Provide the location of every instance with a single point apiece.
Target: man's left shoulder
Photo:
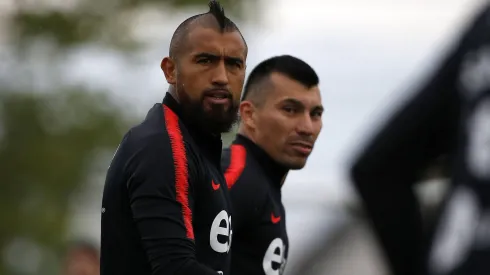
(234, 164)
(234, 156)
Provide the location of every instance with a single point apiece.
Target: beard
(217, 120)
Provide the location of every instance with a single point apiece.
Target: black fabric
(449, 115)
(260, 240)
(143, 225)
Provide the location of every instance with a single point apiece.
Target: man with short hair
(281, 118)
(166, 207)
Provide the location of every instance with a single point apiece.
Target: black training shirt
(166, 205)
(260, 241)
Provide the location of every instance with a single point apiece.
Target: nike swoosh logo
(275, 219)
(215, 186)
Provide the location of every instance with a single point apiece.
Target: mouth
(302, 147)
(218, 96)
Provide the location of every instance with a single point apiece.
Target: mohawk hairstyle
(216, 11)
(287, 65)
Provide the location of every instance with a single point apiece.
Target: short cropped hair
(287, 65)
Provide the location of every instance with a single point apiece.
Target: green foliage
(49, 142)
(108, 21)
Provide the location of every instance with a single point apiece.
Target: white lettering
(478, 157)
(482, 239)
(456, 231)
(218, 230)
(475, 76)
(275, 254)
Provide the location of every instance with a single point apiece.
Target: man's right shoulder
(160, 123)
(141, 136)
(157, 136)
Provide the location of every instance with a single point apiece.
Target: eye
(234, 63)
(204, 61)
(317, 114)
(289, 109)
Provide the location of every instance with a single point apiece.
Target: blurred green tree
(49, 141)
(110, 21)
(47, 145)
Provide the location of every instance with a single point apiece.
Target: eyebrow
(293, 101)
(319, 108)
(216, 57)
(299, 103)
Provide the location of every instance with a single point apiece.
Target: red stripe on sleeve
(181, 172)
(238, 156)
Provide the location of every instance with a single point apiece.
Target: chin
(220, 126)
(296, 164)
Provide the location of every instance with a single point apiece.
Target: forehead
(284, 88)
(209, 40)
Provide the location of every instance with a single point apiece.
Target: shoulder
(145, 137)
(235, 163)
(247, 188)
(244, 177)
(161, 123)
(158, 141)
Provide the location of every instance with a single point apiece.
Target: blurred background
(76, 74)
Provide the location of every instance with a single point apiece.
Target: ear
(248, 114)
(169, 69)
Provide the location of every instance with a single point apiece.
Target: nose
(305, 126)
(220, 76)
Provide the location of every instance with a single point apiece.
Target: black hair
(287, 65)
(218, 13)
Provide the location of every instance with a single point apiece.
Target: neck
(284, 178)
(242, 130)
(277, 171)
(173, 92)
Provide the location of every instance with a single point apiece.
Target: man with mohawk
(166, 208)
